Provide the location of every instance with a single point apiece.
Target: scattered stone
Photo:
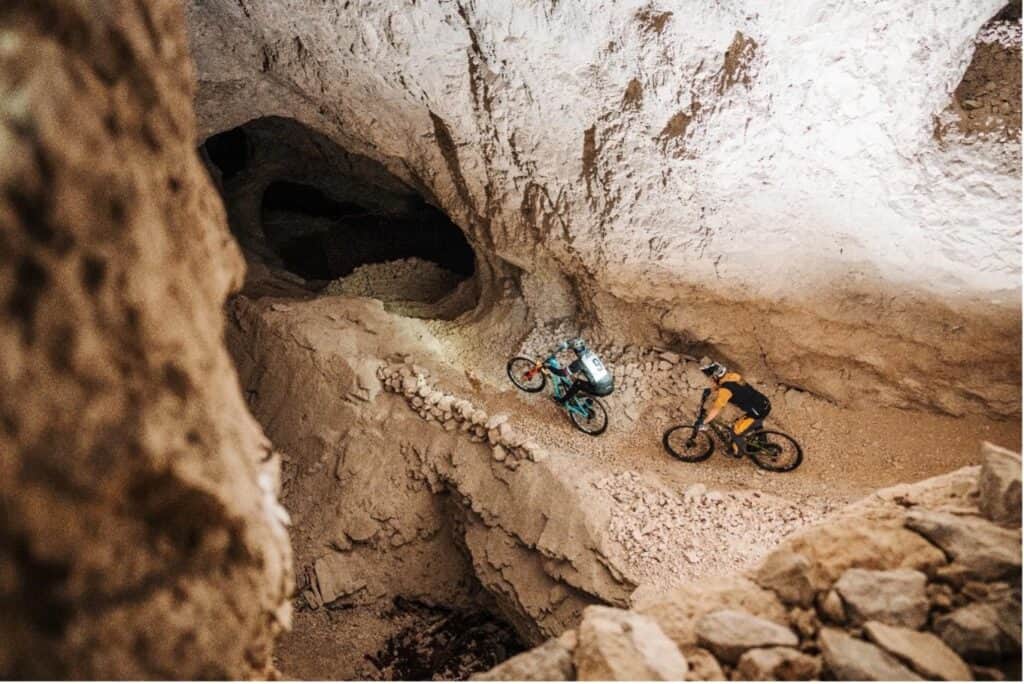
(335, 579)
(976, 631)
(895, 597)
(940, 595)
(617, 644)
(703, 666)
(830, 607)
(851, 658)
(728, 633)
(671, 357)
(694, 492)
(780, 663)
(923, 651)
(806, 622)
(496, 420)
(788, 575)
(498, 453)
(999, 485)
(987, 550)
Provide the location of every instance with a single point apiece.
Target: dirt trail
(847, 453)
(668, 522)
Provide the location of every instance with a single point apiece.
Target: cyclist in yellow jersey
(731, 388)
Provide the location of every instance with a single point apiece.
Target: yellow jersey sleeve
(722, 398)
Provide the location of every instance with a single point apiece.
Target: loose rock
(728, 633)
(772, 664)
(924, 652)
(618, 644)
(895, 597)
(850, 658)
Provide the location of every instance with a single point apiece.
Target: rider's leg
(577, 385)
(739, 430)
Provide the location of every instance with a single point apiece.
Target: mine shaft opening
(299, 202)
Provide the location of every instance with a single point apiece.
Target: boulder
(847, 657)
(678, 610)
(985, 549)
(774, 664)
(831, 548)
(999, 485)
(622, 645)
(830, 607)
(551, 662)
(728, 633)
(982, 632)
(788, 575)
(895, 597)
(923, 651)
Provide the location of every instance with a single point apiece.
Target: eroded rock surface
(140, 535)
(693, 170)
(814, 607)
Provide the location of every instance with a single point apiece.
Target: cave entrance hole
(342, 222)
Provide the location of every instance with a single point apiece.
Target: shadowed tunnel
(295, 197)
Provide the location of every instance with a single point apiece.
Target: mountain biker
(589, 374)
(731, 388)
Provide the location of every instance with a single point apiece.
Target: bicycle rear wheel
(596, 419)
(687, 443)
(517, 370)
(774, 451)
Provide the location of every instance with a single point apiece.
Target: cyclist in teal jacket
(589, 373)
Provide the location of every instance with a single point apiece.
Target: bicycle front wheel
(592, 417)
(518, 370)
(687, 443)
(774, 451)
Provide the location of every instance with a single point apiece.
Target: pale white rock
(923, 651)
(691, 155)
(616, 644)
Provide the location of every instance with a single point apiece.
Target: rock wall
(399, 489)
(774, 184)
(915, 582)
(140, 536)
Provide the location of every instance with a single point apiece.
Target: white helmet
(713, 370)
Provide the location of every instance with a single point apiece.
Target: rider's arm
(722, 397)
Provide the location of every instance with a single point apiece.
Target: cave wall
(140, 535)
(764, 180)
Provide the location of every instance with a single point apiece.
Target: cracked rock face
(140, 535)
(783, 184)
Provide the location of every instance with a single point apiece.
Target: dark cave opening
(229, 151)
(298, 201)
(321, 238)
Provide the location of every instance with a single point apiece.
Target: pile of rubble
(670, 537)
(453, 413)
(916, 582)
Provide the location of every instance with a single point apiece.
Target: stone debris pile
(916, 582)
(452, 413)
(670, 537)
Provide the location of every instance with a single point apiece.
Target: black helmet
(578, 344)
(713, 370)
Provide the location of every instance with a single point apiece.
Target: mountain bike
(586, 412)
(768, 449)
